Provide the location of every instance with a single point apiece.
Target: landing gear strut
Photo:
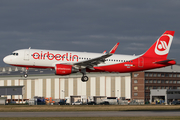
(26, 75)
(84, 77)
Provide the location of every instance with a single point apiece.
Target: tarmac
(91, 114)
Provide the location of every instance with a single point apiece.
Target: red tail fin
(160, 48)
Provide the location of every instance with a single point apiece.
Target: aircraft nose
(6, 59)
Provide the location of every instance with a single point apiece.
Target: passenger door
(26, 55)
(140, 62)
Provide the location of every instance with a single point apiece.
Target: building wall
(138, 85)
(142, 82)
(161, 80)
(59, 88)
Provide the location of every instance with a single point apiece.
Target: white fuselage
(49, 58)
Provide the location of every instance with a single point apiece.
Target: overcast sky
(87, 25)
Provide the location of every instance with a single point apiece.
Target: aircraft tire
(25, 75)
(84, 78)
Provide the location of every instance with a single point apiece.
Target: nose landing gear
(26, 75)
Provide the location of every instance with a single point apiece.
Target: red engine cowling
(61, 69)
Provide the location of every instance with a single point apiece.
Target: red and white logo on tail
(163, 44)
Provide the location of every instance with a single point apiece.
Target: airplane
(68, 62)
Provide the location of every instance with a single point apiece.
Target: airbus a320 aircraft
(67, 62)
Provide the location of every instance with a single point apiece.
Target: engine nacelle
(61, 69)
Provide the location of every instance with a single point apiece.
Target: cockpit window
(15, 54)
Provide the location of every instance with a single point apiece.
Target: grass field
(56, 108)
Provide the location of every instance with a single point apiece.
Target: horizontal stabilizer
(165, 61)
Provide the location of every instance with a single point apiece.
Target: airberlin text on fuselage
(58, 57)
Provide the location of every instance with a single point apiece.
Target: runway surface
(91, 114)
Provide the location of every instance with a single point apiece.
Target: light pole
(118, 94)
(63, 93)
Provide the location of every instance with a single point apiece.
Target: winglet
(104, 52)
(112, 51)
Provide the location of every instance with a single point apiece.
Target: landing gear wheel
(25, 75)
(84, 78)
(26, 71)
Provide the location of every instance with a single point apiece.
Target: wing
(95, 61)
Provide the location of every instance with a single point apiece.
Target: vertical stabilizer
(161, 47)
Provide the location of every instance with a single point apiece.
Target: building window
(162, 81)
(170, 75)
(176, 92)
(174, 87)
(146, 87)
(150, 81)
(158, 81)
(178, 87)
(135, 94)
(135, 88)
(150, 74)
(162, 87)
(166, 81)
(146, 94)
(170, 87)
(170, 81)
(178, 82)
(178, 75)
(174, 75)
(166, 87)
(146, 74)
(166, 75)
(169, 92)
(150, 87)
(162, 74)
(158, 87)
(146, 81)
(154, 81)
(154, 75)
(159, 75)
(135, 81)
(154, 87)
(174, 82)
(135, 74)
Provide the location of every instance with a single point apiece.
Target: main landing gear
(84, 77)
(25, 74)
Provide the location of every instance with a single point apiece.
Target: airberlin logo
(162, 45)
(58, 57)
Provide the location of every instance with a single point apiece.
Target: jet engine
(61, 69)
